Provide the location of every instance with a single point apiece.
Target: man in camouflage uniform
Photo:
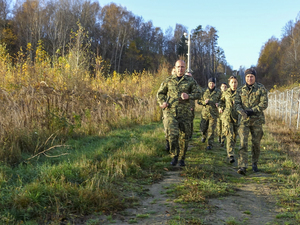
(221, 136)
(174, 97)
(192, 102)
(229, 116)
(251, 100)
(209, 115)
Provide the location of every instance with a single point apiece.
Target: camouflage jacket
(171, 89)
(227, 104)
(210, 108)
(256, 99)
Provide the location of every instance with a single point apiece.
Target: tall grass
(60, 97)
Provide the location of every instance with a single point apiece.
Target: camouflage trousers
(178, 132)
(192, 121)
(231, 132)
(220, 129)
(207, 127)
(256, 136)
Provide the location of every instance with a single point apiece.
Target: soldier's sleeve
(238, 102)
(201, 100)
(162, 93)
(222, 101)
(196, 92)
(263, 104)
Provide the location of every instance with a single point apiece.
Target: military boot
(231, 159)
(181, 162)
(242, 171)
(254, 167)
(174, 161)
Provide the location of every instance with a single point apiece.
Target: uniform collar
(253, 86)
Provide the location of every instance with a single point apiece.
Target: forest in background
(279, 60)
(124, 41)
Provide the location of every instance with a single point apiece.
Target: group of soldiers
(236, 112)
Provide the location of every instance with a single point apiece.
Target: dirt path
(252, 204)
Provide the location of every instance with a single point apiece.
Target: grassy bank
(88, 176)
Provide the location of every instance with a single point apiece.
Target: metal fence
(285, 106)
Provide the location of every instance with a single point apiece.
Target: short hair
(232, 77)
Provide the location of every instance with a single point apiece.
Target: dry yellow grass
(46, 97)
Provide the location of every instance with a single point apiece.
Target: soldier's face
(223, 87)
(211, 85)
(233, 83)
(180, 68)
(250, 79)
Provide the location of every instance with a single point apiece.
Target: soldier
(251, 100)
(192, 118)
(164, 121)
(221, 136)
(174, 97)
(229, 116)
(209, 115)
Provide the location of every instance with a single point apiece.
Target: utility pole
(189, 70)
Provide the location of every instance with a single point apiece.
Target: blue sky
(243, 26)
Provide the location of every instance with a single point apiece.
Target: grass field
(96, 176)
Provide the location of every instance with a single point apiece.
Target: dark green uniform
(209, 114)
(229, 119)
(253, 98)
(177, 116)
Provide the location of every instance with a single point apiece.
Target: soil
(252, 204)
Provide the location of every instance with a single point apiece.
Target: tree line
(123, 40)
(279, 60)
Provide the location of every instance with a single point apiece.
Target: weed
(231, 221)
(142, 216)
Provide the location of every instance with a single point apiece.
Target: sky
(243, 26)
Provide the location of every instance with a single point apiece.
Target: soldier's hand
(244, 115)
(164, 105)
(206, 101)
(217, 105)
(249, 112)
(184, 96)
(220, 110)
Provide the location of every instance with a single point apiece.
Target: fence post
(275, 105)
(298, 114)
(286, 105)
(292, 95)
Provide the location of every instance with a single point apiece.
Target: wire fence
(285, 106)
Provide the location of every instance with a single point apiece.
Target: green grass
(90, 178)
(107, 175)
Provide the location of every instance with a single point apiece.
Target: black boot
(208, 147)
(174, 161)
(181, 162)
(231, 159)
(254, 167)
(242, 171)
